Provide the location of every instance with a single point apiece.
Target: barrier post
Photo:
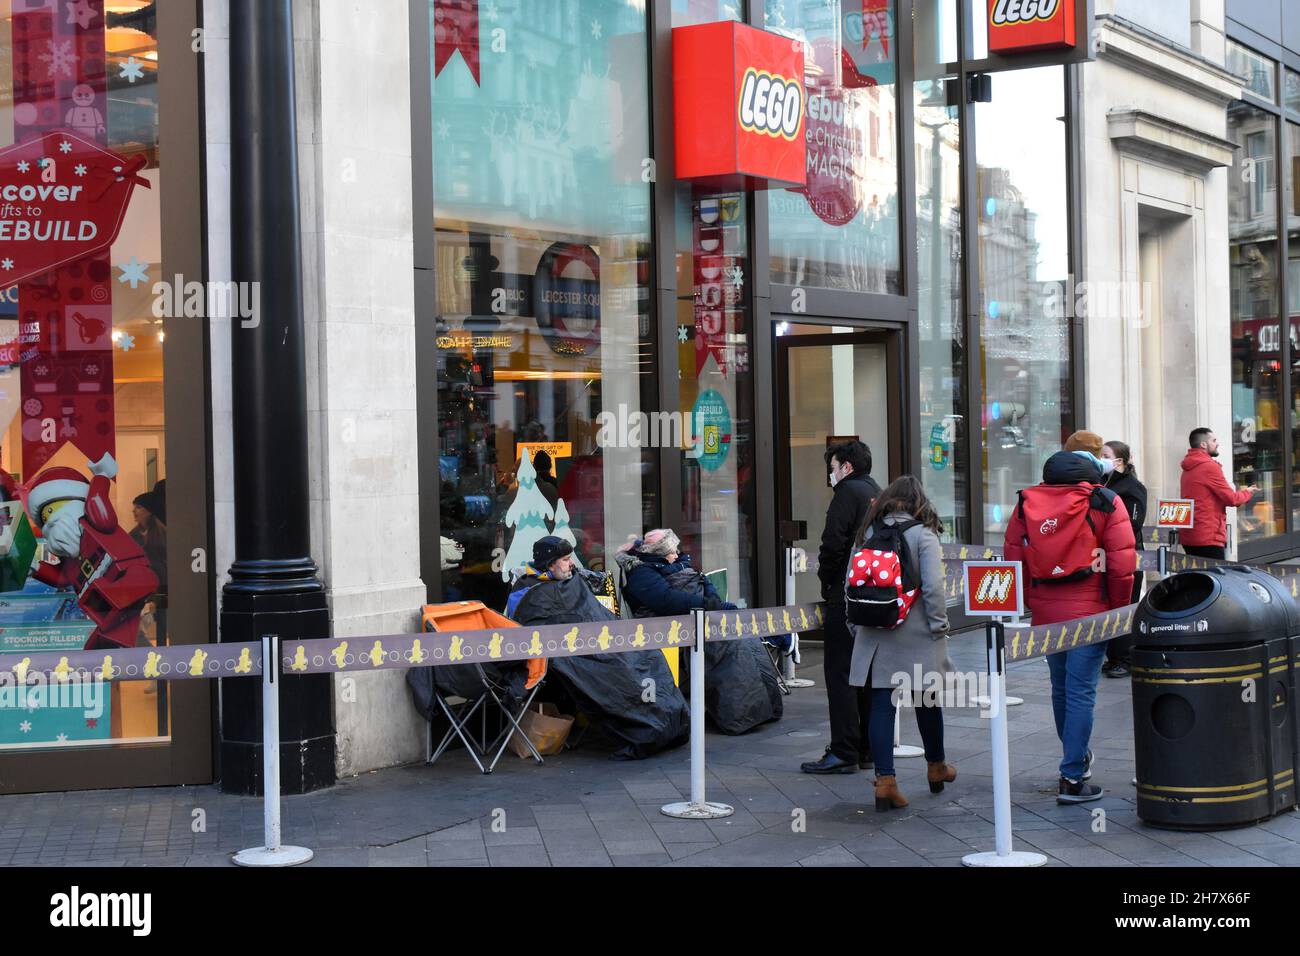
(1003, 855)
(788, 659)
(698, 808)
(271, 853)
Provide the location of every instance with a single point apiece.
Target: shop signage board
(739, 102)
(1175, 514)
(994, 588)
(1018, 26)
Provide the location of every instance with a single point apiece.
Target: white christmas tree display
(527, 514)
(562, 529)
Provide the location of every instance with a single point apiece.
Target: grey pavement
(583, 809)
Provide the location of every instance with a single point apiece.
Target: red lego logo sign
(1016, 26)
(739, 102)
(1175, 513)
(62, 198)
(994, 588)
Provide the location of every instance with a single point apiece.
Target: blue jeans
(929, 720)
(1074, 692)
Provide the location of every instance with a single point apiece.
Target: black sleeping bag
(741, 691)
(609, 687)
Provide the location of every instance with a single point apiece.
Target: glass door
(835, 384)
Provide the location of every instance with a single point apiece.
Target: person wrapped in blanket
(741, 686)
(609, 688)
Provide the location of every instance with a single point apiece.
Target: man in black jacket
(850, 472)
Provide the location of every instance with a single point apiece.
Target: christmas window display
(82, 455)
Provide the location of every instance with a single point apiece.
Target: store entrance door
(834, 384)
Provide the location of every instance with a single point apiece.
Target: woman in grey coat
(885, 659)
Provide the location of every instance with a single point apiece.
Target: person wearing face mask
(1076, 545)
(1124, 482)
(1204, 483)
(849, 468)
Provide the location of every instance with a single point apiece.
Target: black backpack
(882, 580)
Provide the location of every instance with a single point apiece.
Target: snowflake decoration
(133, 272)
(79, 169)
(81, 13)
(490, 11)
(62, 738)
(65, 147)
(595, 29)
(737, 276)
(24, 166)
(126, 341)
(682, 333)
(59, 59)
(444, 129)
(6, 264)
(132, 70)
(25, 726)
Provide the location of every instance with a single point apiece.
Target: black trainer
(829, 763)
(1076, 791)
(1115, 669)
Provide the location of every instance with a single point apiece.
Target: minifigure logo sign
(62, 198)
(1175, 514)
(994, 588)
(1017, 26)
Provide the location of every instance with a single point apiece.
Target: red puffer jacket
(1057, 601)
(1204, 483)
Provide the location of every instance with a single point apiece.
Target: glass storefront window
(841, 230)
(81, 377)
(1291, 90)
(1023, 269)
(544, 334)
(1256, 331)
(1293, 308)
(1255, 72)
(940, 330)
(687, 12)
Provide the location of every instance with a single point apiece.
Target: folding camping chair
(460, 698)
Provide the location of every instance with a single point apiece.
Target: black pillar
(273, 586)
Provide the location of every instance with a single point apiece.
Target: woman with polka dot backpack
(895, 602)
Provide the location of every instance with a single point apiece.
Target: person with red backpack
(895, 604)
(1075, 543)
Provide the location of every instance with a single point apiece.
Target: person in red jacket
(1076, 546)
(1203, 482)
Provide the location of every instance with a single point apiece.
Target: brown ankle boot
(887, 795)
(938, 774)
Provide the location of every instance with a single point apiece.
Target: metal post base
(984, 703)
(799, 682)
(908, 750)
(696, 811)
(1014, 858)
(283, 856)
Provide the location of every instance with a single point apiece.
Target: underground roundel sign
(994, 588)
(61, 198)
(1017, 26)
(1175, 513)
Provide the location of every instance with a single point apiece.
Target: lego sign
(994, 588)
(1016, 26)
(739, 104)
(1175, 514)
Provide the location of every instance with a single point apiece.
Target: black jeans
(1206, 550)
(1119, 649)
(850, 707)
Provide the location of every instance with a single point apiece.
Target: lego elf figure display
(96, 558)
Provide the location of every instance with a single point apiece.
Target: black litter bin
(1214, 699)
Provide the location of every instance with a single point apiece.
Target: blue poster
(711, 428)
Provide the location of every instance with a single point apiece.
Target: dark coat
(547, 601)
(1134, 495)
(844, 519)
(655, 588)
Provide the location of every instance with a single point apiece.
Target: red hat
(54, 484)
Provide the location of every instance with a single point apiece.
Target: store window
(1023, 271)
(81, 368)
(545, 344)
(1256, 72)
(841, 229)
(1256, 330)
(716, 387)
(940, 325)
(1293, 310)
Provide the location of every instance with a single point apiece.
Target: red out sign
(739, 102)
(1020, 25)
(994, 588)
(1175, 513)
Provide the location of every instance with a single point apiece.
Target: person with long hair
(1124, 482)
(886, 660)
